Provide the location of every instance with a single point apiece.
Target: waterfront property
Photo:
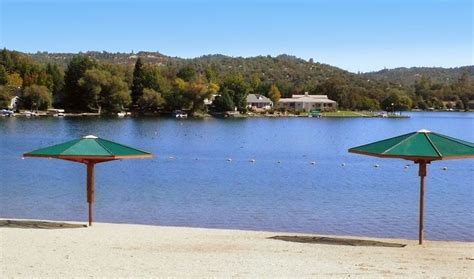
(258, 102)
(308, 103)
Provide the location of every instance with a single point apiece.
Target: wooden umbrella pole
(90, 188)
(422, 174)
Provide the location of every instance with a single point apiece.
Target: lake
(191, 182)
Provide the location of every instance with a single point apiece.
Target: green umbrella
(89, 150)
(421, 147)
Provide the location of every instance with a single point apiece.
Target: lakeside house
(258, 102)
(308, 103)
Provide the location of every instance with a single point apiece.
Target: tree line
(86, 84)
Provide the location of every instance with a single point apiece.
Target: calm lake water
(198, 187)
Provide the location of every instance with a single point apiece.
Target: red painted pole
(90, 188)
(422, 174)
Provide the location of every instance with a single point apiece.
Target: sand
(34, 249)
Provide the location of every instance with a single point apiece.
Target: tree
(3, 75)
(36, 97)
(223, 102)
(152, 78)
(211, 74)
(195, 93)
(397, 100)
(14, 81)
(150, 100)
(57, 78)
(103, 91)
(137, 82)
(255, 83)
(5, 97)
(274, 94)
(74, 97)
(237, 89)
(366, 103)
(186, 73)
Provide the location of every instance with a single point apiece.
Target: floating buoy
(252, 160)
(313, 163)
(406, 166)
(376, 166)
(229, 159)
(445, 168)
(343, 164)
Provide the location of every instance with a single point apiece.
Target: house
(258, 102)
(308, 103)
(15, 100)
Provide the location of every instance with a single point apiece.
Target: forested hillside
(150, 81)
(409, 76)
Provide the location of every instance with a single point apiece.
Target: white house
(308, 103)
(258, 102)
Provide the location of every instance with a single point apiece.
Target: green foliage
(36, 97)
(186, 73)
(3, 75)
(5, 97)
(397, 100)
(223, 102)
(137, 84)
(74, 96)
(236, 87)
(366, 103)
(57, 79)
(185, 83)
(150, 100)
(274, 94)
(104, 91)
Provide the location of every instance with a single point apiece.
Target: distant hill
(407, 76)
(286, 70)
(283, 67)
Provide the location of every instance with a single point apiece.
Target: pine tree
(137, 83)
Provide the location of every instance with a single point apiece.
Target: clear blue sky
(360, 35)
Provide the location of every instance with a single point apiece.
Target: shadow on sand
(335, 241)
(31, 224)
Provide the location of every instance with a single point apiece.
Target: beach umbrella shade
(89, 150)
(421, 147)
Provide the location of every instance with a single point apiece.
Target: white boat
(121, 114)
(56, 112)
(180, 114)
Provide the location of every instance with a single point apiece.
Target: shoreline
(45, 248)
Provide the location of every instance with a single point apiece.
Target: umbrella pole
(422, 174)
(90, 188)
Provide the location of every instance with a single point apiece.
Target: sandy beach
(34, 249)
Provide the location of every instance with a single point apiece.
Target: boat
(56, 112)
(121, 114)
(180, 114)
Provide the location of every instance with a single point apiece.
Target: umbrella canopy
(89, 150)
(422, 147)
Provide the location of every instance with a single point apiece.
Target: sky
(359, 35)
